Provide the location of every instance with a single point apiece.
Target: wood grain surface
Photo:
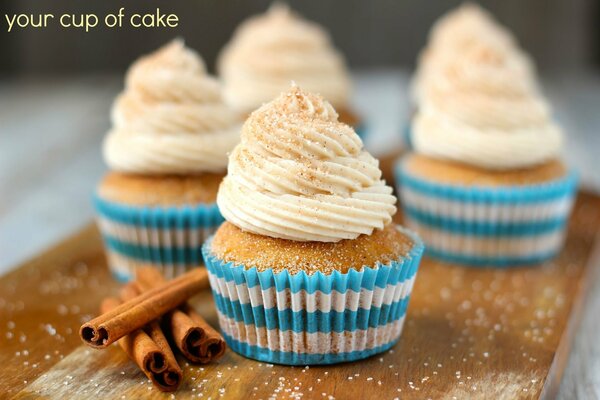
(469, 332)
(48, 197)
(481, 333)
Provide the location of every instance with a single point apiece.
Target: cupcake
(485, 186)
(308, 267)
(449, 37)
(268, 51)
(167, 154)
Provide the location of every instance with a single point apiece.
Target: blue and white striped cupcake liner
(361, 130)
(169, 238)
(488, 226)
(312, 319)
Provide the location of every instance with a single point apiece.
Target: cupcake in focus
(449, 37)
(486, 186)
(308, 267)
(268, 51)
(167, 154)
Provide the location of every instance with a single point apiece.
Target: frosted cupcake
(457, 31)
(268, 51)
(167, 154)
(450, 36)
(308, 268)
(486, 186)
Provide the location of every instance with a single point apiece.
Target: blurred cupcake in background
(449, 37)
(309, 267)
(457, 31)
(167, 154)
(269, 51)
(485, 185)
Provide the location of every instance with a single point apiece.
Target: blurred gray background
(560, 34)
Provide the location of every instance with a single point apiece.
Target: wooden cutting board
(469, 333)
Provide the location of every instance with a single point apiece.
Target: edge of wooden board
(561, 355)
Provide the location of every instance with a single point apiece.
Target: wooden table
(469, 332)
(51, 132)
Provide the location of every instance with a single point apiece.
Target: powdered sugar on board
(481, 333)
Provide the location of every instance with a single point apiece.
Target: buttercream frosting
(268, 51)
(482, 109)
(171, 118)
(300, 174)
(455, 32)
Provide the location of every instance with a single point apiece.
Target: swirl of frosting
(299, 174)
(269, 51)
(170, 119)
(482, 109)
(454, 33)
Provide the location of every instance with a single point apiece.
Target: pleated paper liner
(169, 238)
(498, 227)
(312, 319)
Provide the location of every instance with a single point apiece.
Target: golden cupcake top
(457, 173)
(231, 244)
(300, 174)
(268, 51)
(170, 119)
(169, 190)
(483, 107)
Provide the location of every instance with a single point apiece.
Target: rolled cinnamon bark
(194, 337)
(148, 352)
(173, 374)
(139, 311)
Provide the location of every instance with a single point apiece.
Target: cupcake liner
(361, 130)
(312, 319)
(169, 238)
(488, 226)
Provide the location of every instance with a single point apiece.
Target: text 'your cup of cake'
(308, 267)
(485, 185)
(167, 154)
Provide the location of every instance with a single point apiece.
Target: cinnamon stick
(148, 351)
(194, 337)
(139, 311)
(153, 329)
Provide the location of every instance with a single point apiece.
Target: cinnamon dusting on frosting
(170, 119)
(479, 102)
(269, 50)
(455, 32)
(300, 174)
